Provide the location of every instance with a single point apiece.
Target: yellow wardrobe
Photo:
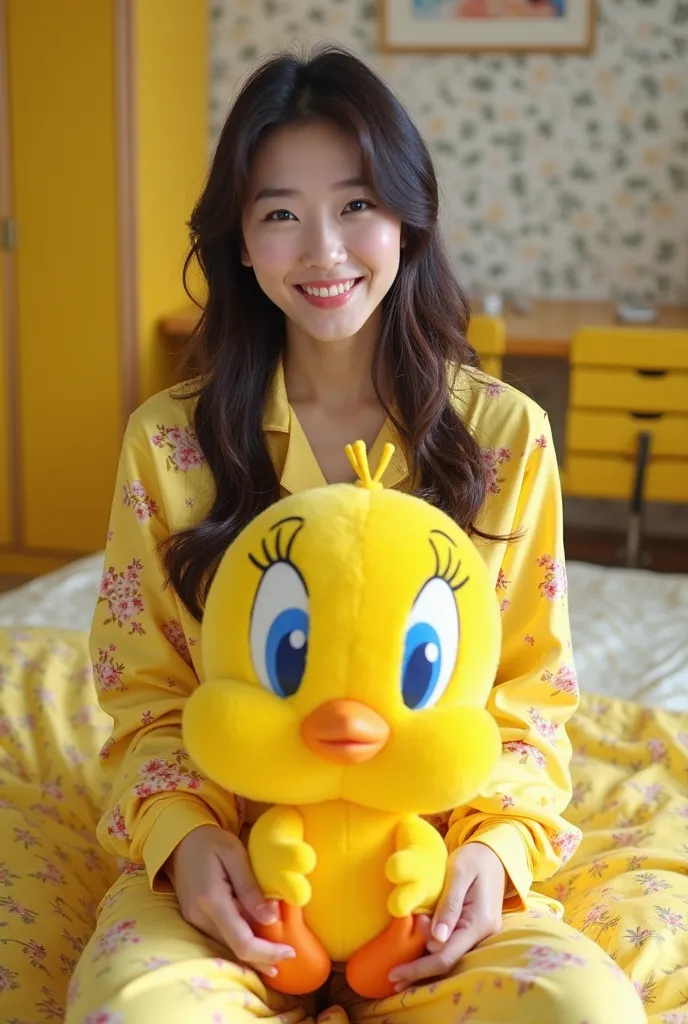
(103, 143)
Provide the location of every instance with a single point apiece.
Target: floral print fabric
(53, 871)
(144, 644)
(538, 970)
(625, 887)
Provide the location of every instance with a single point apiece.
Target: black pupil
(290, 663)
(417, 677)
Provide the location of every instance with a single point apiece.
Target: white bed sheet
(630, 627)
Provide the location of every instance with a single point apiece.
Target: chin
(327, 329)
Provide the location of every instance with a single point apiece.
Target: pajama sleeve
(519, 815)
(144, 673)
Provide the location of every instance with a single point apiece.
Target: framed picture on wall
(487, 26)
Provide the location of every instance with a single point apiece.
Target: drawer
(630, 390)
(487, 334)
(589, 431)
(599, 476)
(655, 348)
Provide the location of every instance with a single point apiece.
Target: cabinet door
(64, 152)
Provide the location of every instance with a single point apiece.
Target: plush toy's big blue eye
(286, 649)
(279, 630)
(422, 664)
(431, 645)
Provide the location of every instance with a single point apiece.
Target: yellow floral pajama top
(144, 647)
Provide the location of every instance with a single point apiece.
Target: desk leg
(634, 531)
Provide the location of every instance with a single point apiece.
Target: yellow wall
(63, 130)
(82, 361)
(5, 498)
(171, 142)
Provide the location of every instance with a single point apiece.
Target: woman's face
(321, 244)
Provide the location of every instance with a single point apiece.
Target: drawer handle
(652, 373)
(646, 415)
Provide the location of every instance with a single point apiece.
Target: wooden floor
(10, 582)
(662, 554)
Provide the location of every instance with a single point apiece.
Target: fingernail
(400, 987)
(271, 972)
(289, 954)
(266, 913)
(395, 975)
(441, 932)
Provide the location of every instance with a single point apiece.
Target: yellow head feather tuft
(358, 457)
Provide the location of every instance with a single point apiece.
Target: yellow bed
(626, 886)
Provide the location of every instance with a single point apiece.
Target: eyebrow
(290, 193)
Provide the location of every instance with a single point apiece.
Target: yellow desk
(548, 329)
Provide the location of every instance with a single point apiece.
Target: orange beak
(345, 732)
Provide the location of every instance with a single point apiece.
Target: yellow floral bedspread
(626, 886)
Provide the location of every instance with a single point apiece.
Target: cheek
(379, 245)
(271, 255)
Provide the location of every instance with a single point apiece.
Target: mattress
(630, 626)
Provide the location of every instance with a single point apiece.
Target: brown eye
(359, 206)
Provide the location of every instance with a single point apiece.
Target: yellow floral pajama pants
(146, 964)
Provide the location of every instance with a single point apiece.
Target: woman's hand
(470, 909)
(218, 894)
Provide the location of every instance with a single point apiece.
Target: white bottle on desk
(493, 304)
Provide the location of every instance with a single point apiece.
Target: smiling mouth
(329, 296)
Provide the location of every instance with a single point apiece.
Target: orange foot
(367, 971)
(311, 966)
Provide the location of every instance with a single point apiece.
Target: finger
(236, 932)
(433, 966)
(335, 1015)
(450, 906)
(245, 887)
(465, 938)
(207, 926)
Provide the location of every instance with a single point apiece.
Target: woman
(332, 313)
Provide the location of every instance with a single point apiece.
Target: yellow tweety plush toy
(350, 641)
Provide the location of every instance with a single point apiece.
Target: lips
(329, 294)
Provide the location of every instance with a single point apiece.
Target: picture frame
(487, 26)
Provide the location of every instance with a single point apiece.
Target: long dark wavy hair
(240, 336)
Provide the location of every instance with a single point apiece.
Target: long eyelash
(277, 553)
(453, 567)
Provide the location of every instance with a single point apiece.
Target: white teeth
(327, 293)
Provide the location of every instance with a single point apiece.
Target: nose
(324, 247)
(345, 732)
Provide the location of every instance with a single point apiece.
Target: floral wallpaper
(563, 176)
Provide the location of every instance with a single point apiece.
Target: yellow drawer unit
(631, 390)
(652, 348)
(617, 432)
(600, 476)
(487, 335)
(627, 425)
